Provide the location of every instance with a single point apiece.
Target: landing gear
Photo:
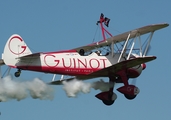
(17, 74)
(111, 100)
(129, 91)
(108, 97)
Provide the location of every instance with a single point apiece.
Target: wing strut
(54, 76)
(0, 73)
(62, 77)
(112, 49)
(124, 47)
(142, 53)
(53, 79)
(131, 48)
(148, 44)
(140, 45)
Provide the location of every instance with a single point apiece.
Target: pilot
(98, 52)
(81, 52)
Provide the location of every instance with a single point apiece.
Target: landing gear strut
(111, 100)
(17, 74)
(129, 91)
(108, 97)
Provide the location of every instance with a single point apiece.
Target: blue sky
(57, 25)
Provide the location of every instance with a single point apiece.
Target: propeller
(134, 81)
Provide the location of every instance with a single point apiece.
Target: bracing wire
(95, 34)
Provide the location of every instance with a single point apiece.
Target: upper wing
(123, 36)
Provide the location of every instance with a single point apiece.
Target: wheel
(108, 102)
(17, 74)
(130, 97)
(111, 100)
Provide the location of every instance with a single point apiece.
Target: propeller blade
(134, 81)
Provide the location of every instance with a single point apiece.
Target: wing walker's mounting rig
(106, 22)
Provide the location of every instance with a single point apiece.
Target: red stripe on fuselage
(63, 51)
(64, 71)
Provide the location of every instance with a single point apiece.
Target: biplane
(118, 58)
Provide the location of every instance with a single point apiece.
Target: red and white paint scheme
(70, 62)
(85, 63)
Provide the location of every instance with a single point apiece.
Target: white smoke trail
(72, 88)
(102, 86)
(12, 89)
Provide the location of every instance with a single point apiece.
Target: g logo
(16, 40)
(48, 58)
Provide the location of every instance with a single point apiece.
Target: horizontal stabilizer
(34, 55)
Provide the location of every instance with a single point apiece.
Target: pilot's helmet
(99, 51)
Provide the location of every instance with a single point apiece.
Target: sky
(59, 25)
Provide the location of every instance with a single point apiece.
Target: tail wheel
(130, 97)
(17, 74)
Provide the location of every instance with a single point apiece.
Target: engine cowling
(135, 71)
(129, 90)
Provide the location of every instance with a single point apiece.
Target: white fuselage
(70, 63)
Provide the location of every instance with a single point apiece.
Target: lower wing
(110, 70)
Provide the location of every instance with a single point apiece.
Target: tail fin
(14, 48)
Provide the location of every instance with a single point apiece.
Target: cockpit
(98, 52)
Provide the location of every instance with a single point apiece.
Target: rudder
(15, 47)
